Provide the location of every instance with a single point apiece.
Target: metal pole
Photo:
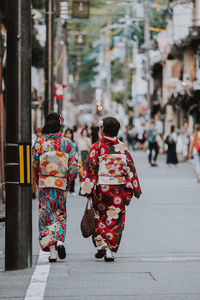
(61, 43)
(18, 249)
(108, 64)
(2, 111)
(126, 71)
(147, 47)
(49, 58)
(196, 13)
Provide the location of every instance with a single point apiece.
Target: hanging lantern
(79, 61)
(80, 39)
(80, 9)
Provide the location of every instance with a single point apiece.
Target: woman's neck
(110, 138)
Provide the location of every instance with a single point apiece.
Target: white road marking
(39, 278)
(171, 259)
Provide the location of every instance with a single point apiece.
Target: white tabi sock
(52, 249)
(60, 243)
(103, 246)
(109, 253)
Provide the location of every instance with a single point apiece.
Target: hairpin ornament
(61, 119)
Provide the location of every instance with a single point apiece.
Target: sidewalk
(159, 256)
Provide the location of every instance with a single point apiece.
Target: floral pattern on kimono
(52, 217)
(110, 179)
(55, 166)
(54, 161)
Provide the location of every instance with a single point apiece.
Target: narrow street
(78, 77)
(159, 256)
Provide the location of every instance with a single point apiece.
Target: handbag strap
(89, 203)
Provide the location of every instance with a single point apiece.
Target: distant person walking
(38, 133)
(94, 132)
(84, 144)
(171, 141)
(70, 135)
(110, 179)
(55, 166)
(153, 144)
(194, 149)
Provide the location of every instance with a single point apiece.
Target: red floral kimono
(111, 180)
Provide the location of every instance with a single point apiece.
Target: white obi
(112, 169)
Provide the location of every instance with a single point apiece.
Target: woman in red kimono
(110, 179)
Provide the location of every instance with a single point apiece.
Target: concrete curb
(2, 212)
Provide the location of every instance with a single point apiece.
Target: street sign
(59, 90)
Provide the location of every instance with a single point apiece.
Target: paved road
(159, 256)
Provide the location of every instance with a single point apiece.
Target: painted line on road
(39, 278)
(171, 259)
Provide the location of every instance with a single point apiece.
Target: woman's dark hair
(172, 128)
(52, 124)
(196, 127)
(71, 131)
(84, 129)
(75, 127)
(111, 126)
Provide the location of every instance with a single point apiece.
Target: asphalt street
(158, 259)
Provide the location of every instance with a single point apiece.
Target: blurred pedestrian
(84, 144)
(110, 179)
(94, 132)
(77, 132)
(55, 166)
(69, 135)
(142, 138)
(171, 141)
(121, 134)
(194, 149)
(131, 136)
(127, 135)
(153, 144)
(38, 133)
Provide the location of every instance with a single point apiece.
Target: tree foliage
(37, 52)
(86, 70)
(118, 97)
(116, 70)
(38, 4)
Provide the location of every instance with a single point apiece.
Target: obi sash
(112, 169)
(53, 170)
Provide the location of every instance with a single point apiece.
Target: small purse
(197, 145)
(88, 220)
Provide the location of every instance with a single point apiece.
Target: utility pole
(108, 62)
(18, 249)
(2, 111)
(62, 51)
(49, 58)
(147, 48)
(126, 71)
(196, 13)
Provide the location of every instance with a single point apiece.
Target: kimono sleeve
(132, 181)
(90, 173)
(36, 149)
(73, 165)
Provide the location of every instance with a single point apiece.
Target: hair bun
(53, 116)
(52, 124)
